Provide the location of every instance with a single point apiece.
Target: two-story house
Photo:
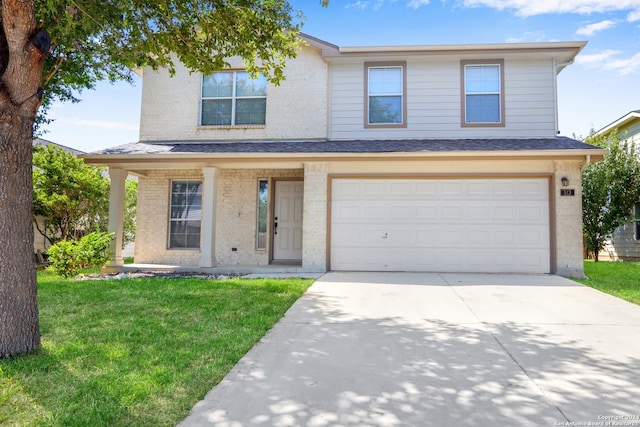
(625, 242)
(403, 158)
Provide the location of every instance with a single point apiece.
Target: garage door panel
(378, 259)
(356, 237)
(420, 235)
(468, 225)
(441, 212)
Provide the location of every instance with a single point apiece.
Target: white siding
(631, 131)
(434, 98)
(295, 109)
(623, 246)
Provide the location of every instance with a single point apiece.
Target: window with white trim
(233, 98)
(483, 102)
(385, 94)
(185, 214)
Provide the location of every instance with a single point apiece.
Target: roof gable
(622, 122)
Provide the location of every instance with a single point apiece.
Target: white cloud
(624, 66)
(527, 7)
(610, 60)
(358, 5)
(414, 4)
(364, 4)
(595, 58)
(539, 7)
(634, 16)
(591, 29)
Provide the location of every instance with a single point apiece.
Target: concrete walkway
(410, 349)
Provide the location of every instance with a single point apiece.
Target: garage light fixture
(565, 181)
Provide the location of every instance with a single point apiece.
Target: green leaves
(610, 189)
(69, 257)
(74, 197)
(96, 40)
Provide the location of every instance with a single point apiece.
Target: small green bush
(68, 257)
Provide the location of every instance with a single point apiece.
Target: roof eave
(491, 47)
(105, 159)
(629, 117)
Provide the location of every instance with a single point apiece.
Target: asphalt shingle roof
(351, 146)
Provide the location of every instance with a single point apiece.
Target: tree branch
(27, 47)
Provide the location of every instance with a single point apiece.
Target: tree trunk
(23, 47)
(19, 329)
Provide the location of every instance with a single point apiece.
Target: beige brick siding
(568, 212)
(237, 203)
(152, 215)
(296, 109)
(314, 234)
(236, 217)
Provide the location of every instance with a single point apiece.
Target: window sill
(483, 125)
(230, 127)
(385, 125)
(184, 249)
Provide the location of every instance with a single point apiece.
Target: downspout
(329, 95)
(558, 67)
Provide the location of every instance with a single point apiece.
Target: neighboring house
(409, 158)
(625, 242)
(40, 243)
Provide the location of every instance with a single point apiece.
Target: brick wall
(237, 204)
(152, 220)
(314, 233)
(236, 217)
(568, 211)
(296, 109)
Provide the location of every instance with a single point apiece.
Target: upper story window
(385, 94)
(483, 93)
(233, 98)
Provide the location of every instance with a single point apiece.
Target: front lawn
(621, 279)
(136, 351)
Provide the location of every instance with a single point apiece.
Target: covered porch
(240, 226)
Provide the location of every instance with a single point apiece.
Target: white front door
(287, 221)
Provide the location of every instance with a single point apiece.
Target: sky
(601, 86)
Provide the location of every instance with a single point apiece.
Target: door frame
(272, 215)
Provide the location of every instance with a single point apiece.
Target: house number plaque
(567, 192)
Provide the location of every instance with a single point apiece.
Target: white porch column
(314, 226)
(208, 222)
(116, 215)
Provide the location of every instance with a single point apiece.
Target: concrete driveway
(411, 349)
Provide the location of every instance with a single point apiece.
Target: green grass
(135, 351)
(621, 279)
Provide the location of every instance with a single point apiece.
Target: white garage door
(452, 225)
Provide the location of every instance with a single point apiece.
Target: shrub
(68, 257)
